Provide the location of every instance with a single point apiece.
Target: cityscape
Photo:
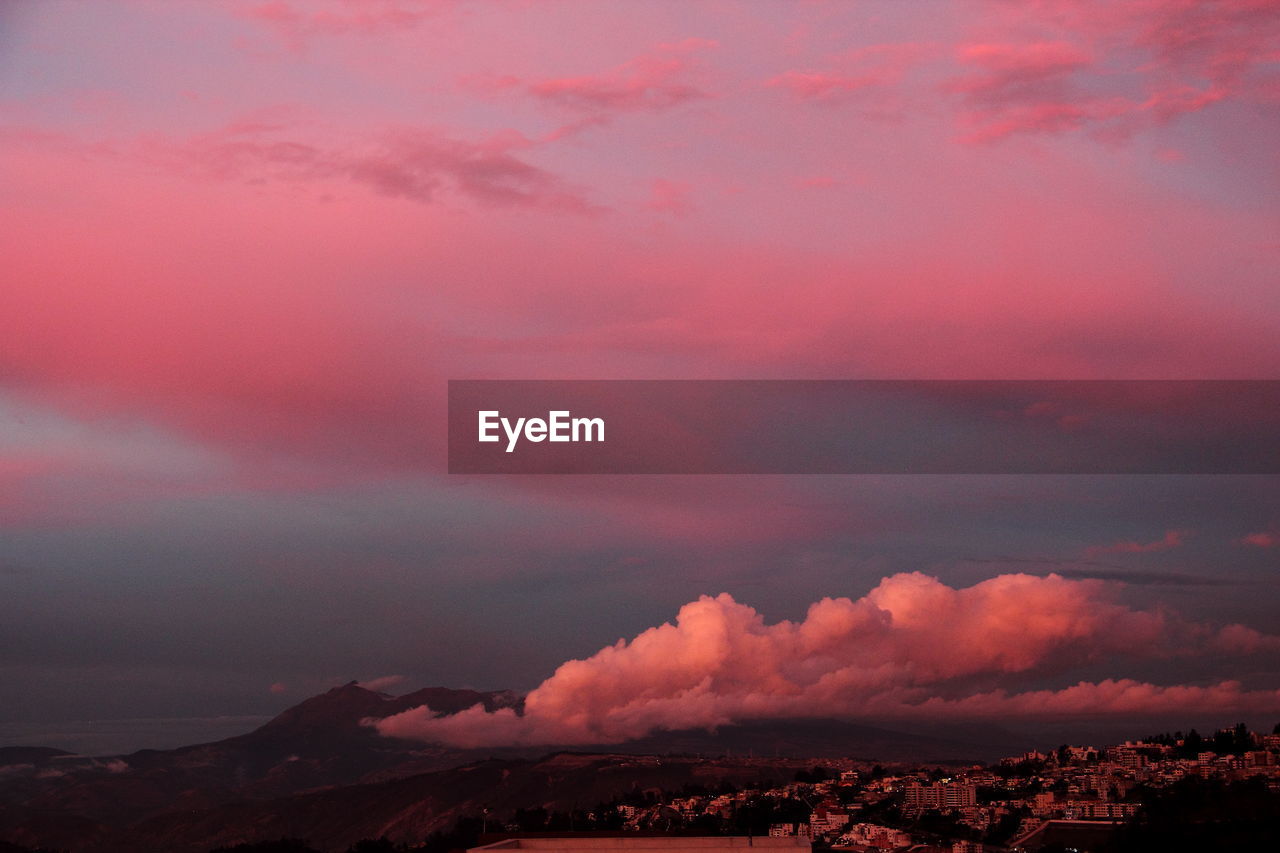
(1022, 803)
(317, 778)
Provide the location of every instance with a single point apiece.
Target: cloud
(1145, 578)
(1262, 539)
(869, 79)
(1087, 570)
(654, 81)
(912, 645)
(1172, 539)
(670, 197)
(411, 163)
(1028, 87)
(295, 22)
(818, 85)
(864, 68)
(1111, 696)
(1006, 68)
(1243, 640)
(382, 683)
(1148, 63)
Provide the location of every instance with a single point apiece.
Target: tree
(375, 845)
(1007, 826)
(9, 847)
(280, 845)
(814, 775)
(1194, 815)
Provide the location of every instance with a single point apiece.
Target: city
(1020, 803)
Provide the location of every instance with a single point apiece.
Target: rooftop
(663, 843)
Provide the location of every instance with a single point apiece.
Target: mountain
(318, 743)
(409, 809)
(338, 713)
(317, 771)
(38, 756)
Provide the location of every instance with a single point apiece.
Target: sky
(247, 243)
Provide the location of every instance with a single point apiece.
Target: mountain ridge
(321, 750)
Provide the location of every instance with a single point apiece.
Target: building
(940, 796)
(875, 835)
(632, 843)
(1259, 758)
(827, 819)
(1098, 810)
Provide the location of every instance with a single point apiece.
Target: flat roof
(665, 843)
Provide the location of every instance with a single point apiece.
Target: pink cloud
(296, 21)
(1005, 67)
(1148, 63)
(653, 81)
(410, 163)
(382, 683)
(818, 85)
(869, 73)
(1243, 640)
(1027, 87)
(670, 197)
(1111, 696)
(1262, 539)
(913, 645)
(1172, 539)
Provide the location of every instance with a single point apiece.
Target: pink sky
(264, 224)
(245, 244)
